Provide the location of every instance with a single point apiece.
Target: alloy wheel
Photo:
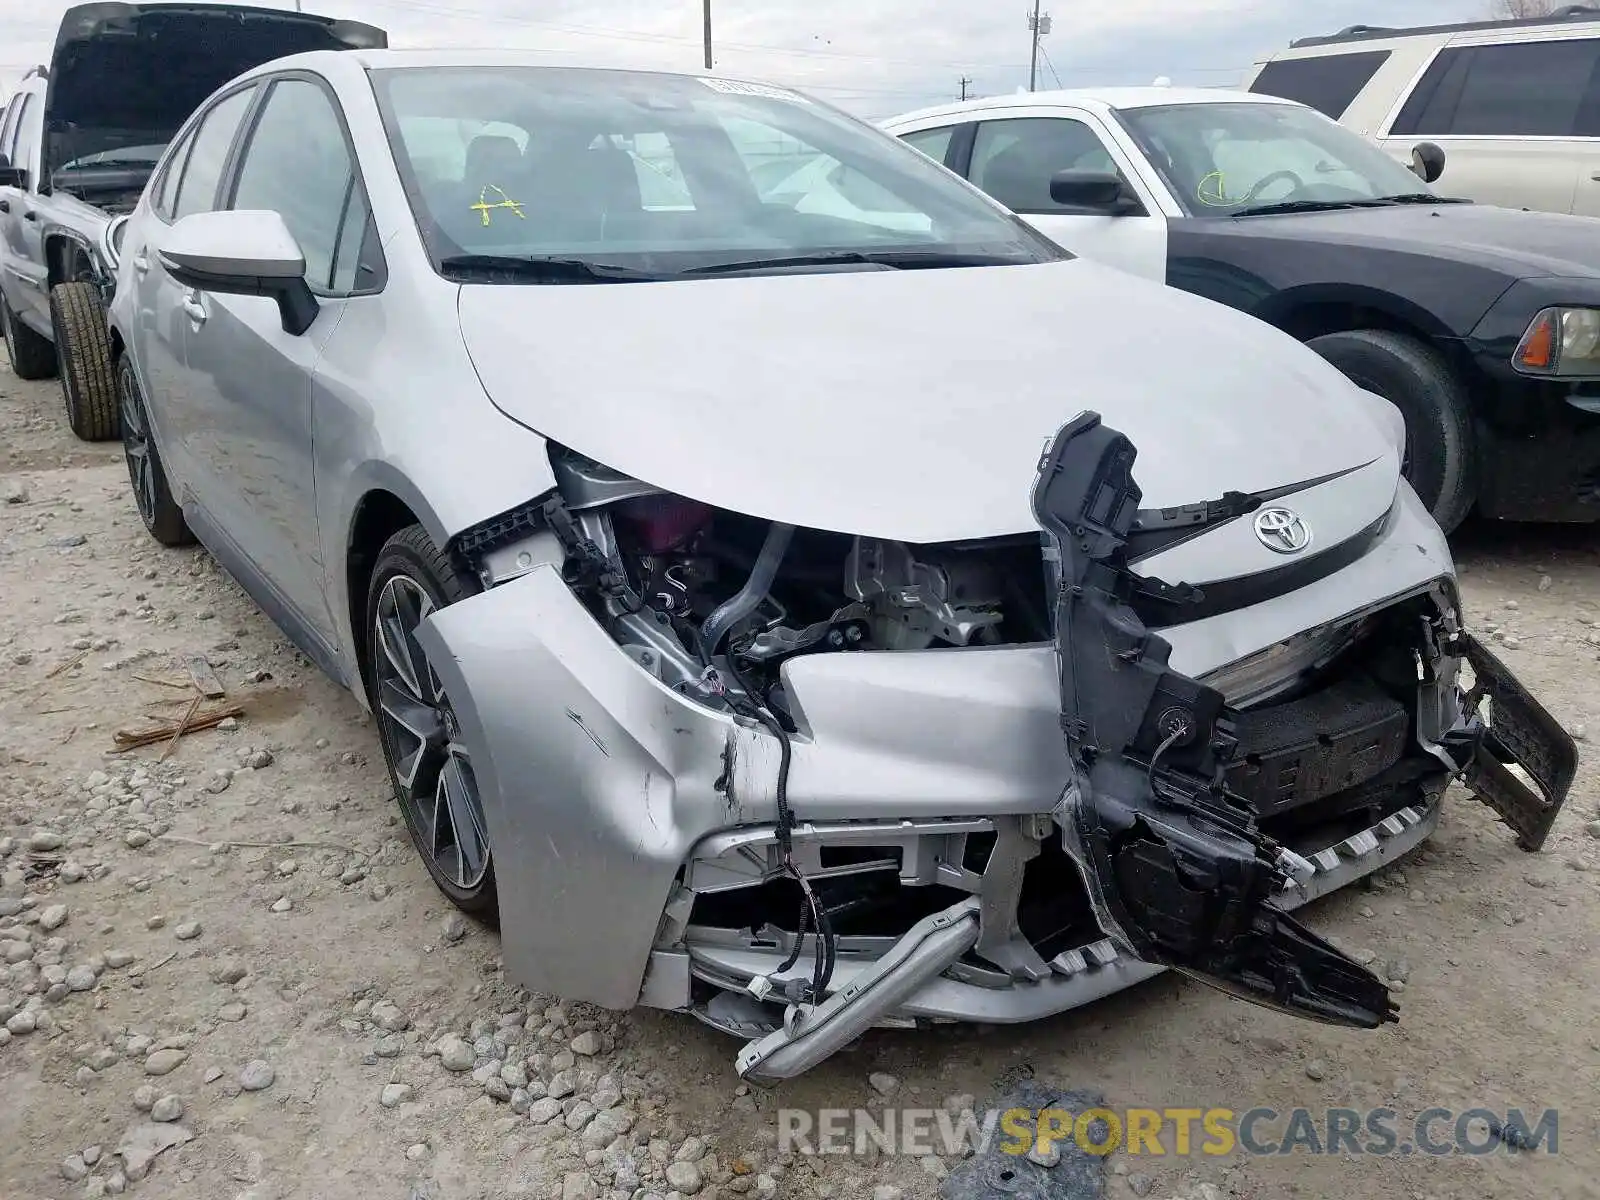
(136, 449)
(432, 768)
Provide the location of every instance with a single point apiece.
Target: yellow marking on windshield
(1214, 194)
(483, 207)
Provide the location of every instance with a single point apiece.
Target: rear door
(1518, 121)
(24, 265)
(189, 183)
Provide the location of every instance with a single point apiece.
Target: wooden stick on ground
(183, 728)
(68, 665)
(204, 678)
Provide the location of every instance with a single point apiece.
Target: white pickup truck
(78, 143)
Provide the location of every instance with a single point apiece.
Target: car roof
(1104, 99)
(1566, 15)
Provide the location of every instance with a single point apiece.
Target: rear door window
(935, 143)
(1326, 82)
(197, 190)
(1520, 89)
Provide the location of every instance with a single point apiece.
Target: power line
(706, 4)
(965, 84)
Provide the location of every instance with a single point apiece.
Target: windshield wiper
(1424, 198)
(525, 268)
(1292, 206)
(899, 259)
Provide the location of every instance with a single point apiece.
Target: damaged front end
(837, 782)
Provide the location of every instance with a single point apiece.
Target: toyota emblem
(1282, 530)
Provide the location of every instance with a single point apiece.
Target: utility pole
(965, 83)
(706, 5)
(1040, 26)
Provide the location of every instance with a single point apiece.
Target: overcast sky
(874, 57)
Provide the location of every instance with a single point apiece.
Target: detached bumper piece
(1519, 732)
(1175, 865)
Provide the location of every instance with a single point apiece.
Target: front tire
(83, 351)
(32, 355)
(152, 494)
(1440, 461)
(430, 768)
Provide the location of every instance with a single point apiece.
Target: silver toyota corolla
(812, 608)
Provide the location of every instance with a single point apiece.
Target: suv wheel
(32, 355)
(83, 350)
(1440, 461)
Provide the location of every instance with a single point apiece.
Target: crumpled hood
(914, 405)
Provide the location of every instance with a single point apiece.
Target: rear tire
(32, 355)
(83, 350)
(1440, 461)
(152, 494)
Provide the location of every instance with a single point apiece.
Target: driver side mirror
(1098, 192)
(242, 252)
(12, 176)
(1427, 161)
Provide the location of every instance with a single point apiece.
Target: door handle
(30, 215)
(196, 310)
(141, 263)
(5, 206)
(1595, 176)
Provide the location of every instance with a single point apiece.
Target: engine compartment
(715, 602)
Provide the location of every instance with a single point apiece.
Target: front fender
(596, 780)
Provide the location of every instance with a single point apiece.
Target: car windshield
(122, 156)
(657, 174)
(1224, 159)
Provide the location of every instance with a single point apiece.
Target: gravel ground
(224, 974)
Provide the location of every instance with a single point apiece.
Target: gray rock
(684, 1177)
(229, 971)
(1592, 829)
(455, 1054)
(1141, 1185)
(887, 1191)
(117, 959)
(883, 1083)
(168, 1108)
(144, 1097)
(389, 1046)
(497, 1089)
(21, 1023)
(579, 1185)
(386, 1015)
(74, 1169)
(542, 1112)
(136, 839)
(587, 1044)
(45, 839)
(232, 1011)
(67, 541)
(91, 1155)
(692, 1150)
(1316, 1069)
(259, 760)
(257, 1075)
(164, 1062)
(562, 1085)
(1400, 971)
(395, 1094)
(186, 931)
(143, 1142)
(454, 927)
(52, 917)
(282, 904)
(81, 979)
